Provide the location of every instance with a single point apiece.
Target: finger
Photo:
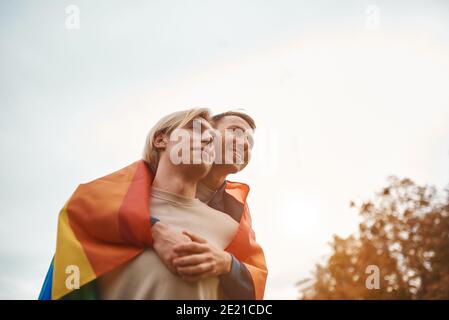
(193, 259)
(191, 247)
(194, 237)
(197, 274)
(195, 270)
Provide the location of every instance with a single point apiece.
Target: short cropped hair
(239, 114)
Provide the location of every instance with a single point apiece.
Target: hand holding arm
(199, 259)
(164, 241)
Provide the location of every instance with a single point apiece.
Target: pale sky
(340, 105)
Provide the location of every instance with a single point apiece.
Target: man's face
(233, 143)
(192, 147)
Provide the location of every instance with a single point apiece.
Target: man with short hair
(105, 226)
(173, 202)
(234, 141)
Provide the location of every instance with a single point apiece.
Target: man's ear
(160, 141)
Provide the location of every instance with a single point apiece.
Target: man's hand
(164, 241)
(198, 259)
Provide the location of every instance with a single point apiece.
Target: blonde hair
(166, 126)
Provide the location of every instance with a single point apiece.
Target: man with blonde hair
(105, 235)
(233, 142)
(173, 202)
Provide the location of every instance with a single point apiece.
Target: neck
(175, 181)
(215, 178)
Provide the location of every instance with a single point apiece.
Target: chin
(233, 168)
(199, 170)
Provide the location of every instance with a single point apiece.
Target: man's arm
(235, 278)
(164, 240)
(238, 284)
(199, 260)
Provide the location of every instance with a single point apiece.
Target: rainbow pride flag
(106, 223)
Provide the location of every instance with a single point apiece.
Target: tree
(404, 234)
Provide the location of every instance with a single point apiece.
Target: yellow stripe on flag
(69, 257)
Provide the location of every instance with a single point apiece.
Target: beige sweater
(146, 277)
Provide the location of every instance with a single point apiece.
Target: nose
(206, 139)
